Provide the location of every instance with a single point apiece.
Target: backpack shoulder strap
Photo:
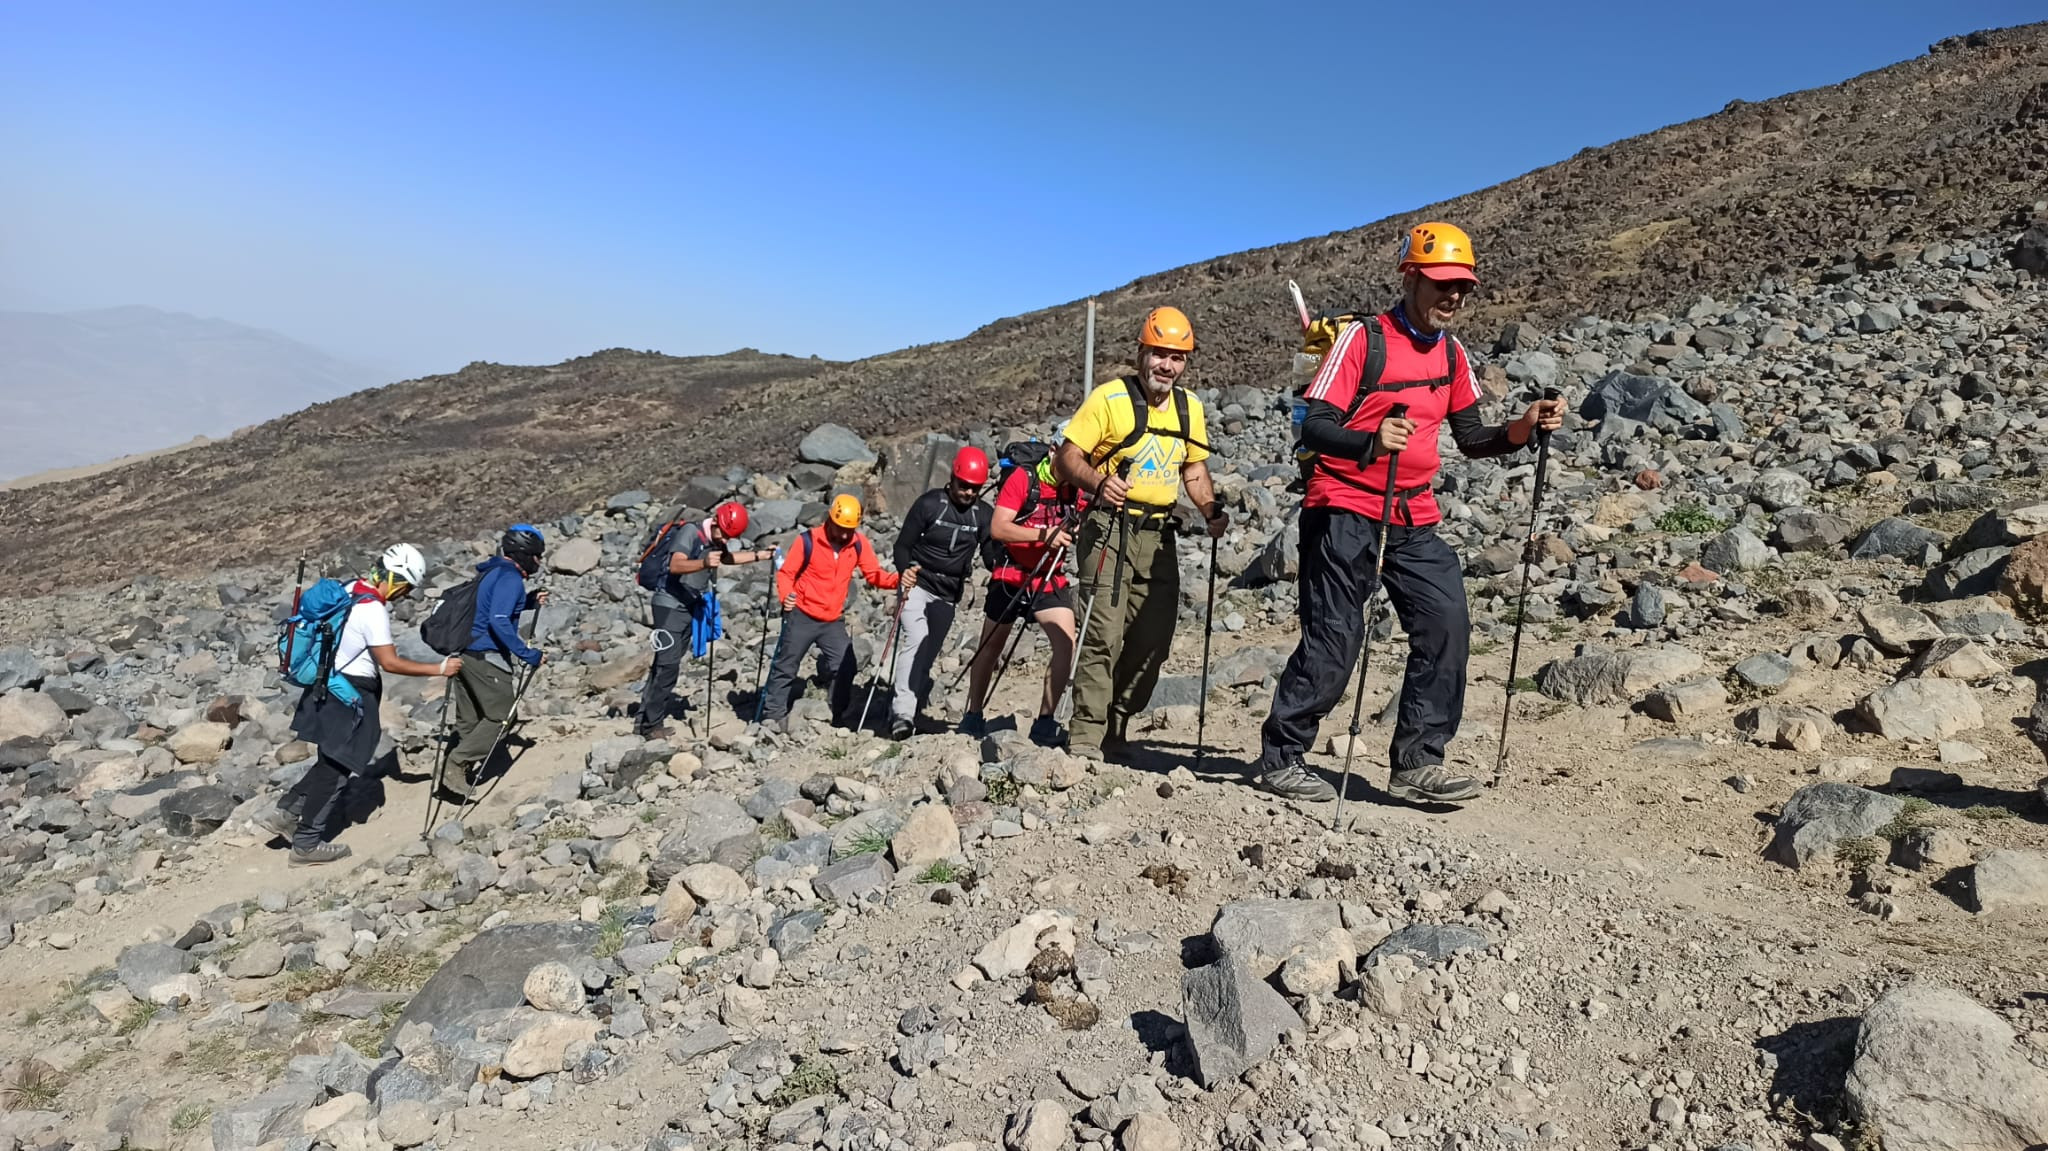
(1375, 365)
(1180, 411)
(806, 561)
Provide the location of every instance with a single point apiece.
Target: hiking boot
(972, 724)
(1292, 779)
(658, 731)
(1045, 732)
(277, 821)
(456, 782)
(901, 729)
(324, 853)
(1432, 783)
(1110, 750)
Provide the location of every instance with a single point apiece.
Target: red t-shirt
(1415, 375)
(1024, 558)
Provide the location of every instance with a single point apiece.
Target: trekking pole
(888, 646)
(761, 647)
(511, 716)
(1208, 629)
(440, 760)
(1069, 524)
(715, 623)
(1500, 758)
(1379, 562)
(761, 697)
(299, 586)
(1031, 592)
(1088, 613)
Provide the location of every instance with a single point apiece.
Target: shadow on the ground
(1813, 1064)
(1163, 1033)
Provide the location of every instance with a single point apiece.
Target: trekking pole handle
(1300, 305)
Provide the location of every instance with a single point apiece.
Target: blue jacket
(499, 599)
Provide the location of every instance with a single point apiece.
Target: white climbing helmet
(405, 562)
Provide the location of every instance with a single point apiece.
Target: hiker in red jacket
(1421, 366)
(811, 584)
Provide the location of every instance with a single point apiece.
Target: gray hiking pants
(926, 620)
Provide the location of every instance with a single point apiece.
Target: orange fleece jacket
(821, 588)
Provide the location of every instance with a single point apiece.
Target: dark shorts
(1006, 602)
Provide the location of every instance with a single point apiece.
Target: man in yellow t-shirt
(1134, 443)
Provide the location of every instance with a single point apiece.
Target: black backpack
(653, 571)
(1021, 456)
(452, 619)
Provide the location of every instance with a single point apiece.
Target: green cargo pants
(483, 701)
(1126, 643)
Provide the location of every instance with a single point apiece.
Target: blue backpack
(307, 641)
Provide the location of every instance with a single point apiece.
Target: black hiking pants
(1427, 589)
(835, 663)
(671, 639)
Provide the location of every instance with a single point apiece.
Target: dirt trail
(239, 863)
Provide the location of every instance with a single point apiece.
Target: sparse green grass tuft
(648, 815)
(891, 751)
(868, 842)
(1860, 854)
(611, 927)
(835, 751)
(940, 872)
(191, 1117)
(138, 1017)
(775, 831)
(298, 985)
(568, 829)
(1525, 684)
(216, 1056)
(1985, 811)
(1003, 790)
(625, 883)
(1690, 519)
(1913, 814)
(397, 969)
(34, 1086)
(813, 1076)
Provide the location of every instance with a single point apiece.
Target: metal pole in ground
(511, 715)
(1379, 562)
(1088, 355)
(1507, 707)
(1208, 629)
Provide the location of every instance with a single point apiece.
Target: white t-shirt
(368, 626)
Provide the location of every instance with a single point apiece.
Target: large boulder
(19, 668)
(1899, 538)
(1262, 934)
(834, 446)
(200, 743)
(143, 968)
(1936, 1072)
(2009, 877)
(1926, 710)
(575, 557)
(1234, 1019)
(1651, 400)
(1821, 815)
(30, 715)
(2025, 578)
(197, 811)
(1736, 550)
(490, 970)
(275, 1116)
(1598, 675)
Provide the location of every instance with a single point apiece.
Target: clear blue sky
(424, 184)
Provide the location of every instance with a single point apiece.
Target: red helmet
(970, 466)
(732, 520)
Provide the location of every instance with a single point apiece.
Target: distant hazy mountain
(83, 387)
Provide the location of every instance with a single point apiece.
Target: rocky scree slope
(1769, 872)
(1951, 146)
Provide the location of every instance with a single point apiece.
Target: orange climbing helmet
(1440, 251)
(846, 511)
(1167, 328)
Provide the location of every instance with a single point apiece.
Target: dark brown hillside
(1951, 143)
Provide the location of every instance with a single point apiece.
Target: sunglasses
(964, 486)
(1454, 287)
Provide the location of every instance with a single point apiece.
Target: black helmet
(522, 542)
